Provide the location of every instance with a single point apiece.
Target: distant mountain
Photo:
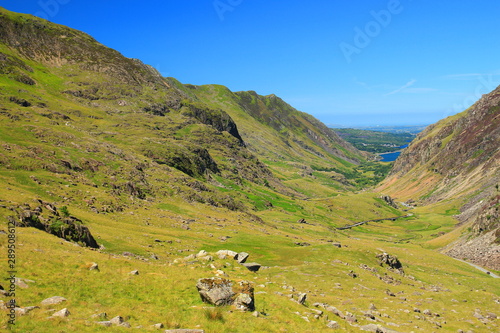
(393, 129)
(375, 141)
(458, 160)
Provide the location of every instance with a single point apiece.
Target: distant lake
(390, 157)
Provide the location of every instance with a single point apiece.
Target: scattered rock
(93, 266)
(376, 328)
(302, 244)
(220, 273)
(352, 274)
(301, 299)
(202, 253)
(390, 293)
(62, 313)
(184, 331)
(337, 245)
(222, 254)
(391, 261)
(491, 316)
(106, 323)
(350, 317)
(21, 283)
(135, 272)
(252, 266)
(332, 324)
(302, 221)
(117, 320)
(102, 315)
(242, 257)
(369, 314)
(54, 300)
(158, 326)
(220, 291)
(21, 311)
(244, 302)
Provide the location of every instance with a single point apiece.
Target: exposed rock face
(482, 250)
(218, 119)
(458, 159)
(391, 261)
(219, 291)
(54, 222)
(192, 160)
(389, 201)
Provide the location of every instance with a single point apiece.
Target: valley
(121, 189)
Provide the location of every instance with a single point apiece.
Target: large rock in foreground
(219, 291)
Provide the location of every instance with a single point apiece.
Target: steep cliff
(457, 160)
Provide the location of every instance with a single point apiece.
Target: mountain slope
(290, 142)
(77, 89)
(96, 145)
(457, 160)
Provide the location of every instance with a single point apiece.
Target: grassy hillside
(157, 171)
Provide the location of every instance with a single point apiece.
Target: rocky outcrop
(47, 217)
(220, 291)
(388, 200)
(192, 160)
(391, 261)
(218, 119)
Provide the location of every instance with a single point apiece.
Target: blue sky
(390, 62)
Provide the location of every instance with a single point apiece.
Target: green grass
(253, 204)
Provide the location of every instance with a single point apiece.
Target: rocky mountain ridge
(458, 159)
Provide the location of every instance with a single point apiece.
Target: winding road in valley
(480, 268)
